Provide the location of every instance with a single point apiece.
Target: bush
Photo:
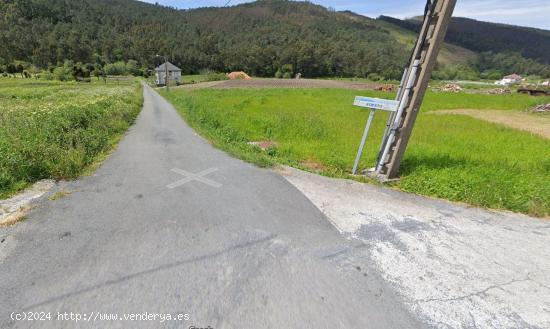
(216, 76)
(492, 75)
(287, 68)
(287, 75)
(11, 68)
(374, 77)
(456, 72)
(47, 75)
(132, 67)
(80, 72)
(117, 68)
(62, 73)
(278, 74)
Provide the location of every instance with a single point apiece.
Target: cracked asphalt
(247, 250)
(455, 266)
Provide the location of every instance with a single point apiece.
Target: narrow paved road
(169, 224)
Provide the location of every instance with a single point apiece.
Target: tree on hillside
(259, 37)
(11, 69)
(132, 67)
(19, 68)
(508, 63)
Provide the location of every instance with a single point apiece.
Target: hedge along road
(169, 224)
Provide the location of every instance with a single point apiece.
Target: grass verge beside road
(450, 156)
(57, 130)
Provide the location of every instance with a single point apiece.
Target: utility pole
(415, 82)
(166, 73)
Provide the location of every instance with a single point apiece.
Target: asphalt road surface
(170, 228)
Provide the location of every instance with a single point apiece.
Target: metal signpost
(411, 92)
(373, 104)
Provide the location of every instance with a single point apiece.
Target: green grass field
(57, 130)
(450, 156)
(194, 78)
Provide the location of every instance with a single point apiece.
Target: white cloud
(534, 13)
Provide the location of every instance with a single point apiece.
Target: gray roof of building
(171, 67)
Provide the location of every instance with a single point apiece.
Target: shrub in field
(62, 73)
(132, 67)
(56, 130)
(374, 77)
(117, 68)
(456, 72)
(212, 76)
(287, 71)
(491, 75)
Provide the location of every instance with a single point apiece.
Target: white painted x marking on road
(191, 177)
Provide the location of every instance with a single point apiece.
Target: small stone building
(174, 74)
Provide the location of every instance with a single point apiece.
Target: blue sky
(534, 13)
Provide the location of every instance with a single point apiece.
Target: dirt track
(283, 83)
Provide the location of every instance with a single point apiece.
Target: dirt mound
(386, 88)
(238, 75)
(452, 88)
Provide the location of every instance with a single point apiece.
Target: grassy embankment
(450, 156)
(58, 130)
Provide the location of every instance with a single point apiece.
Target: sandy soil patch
(14, 209)
(535, 124)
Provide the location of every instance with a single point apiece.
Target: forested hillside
(483, 36)
(260, 38)
(506, 48)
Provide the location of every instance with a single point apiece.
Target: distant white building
(174, 73)
(546, 83)
(509, 80)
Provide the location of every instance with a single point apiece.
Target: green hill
(260, 38)
(484, 36)
(450, 54)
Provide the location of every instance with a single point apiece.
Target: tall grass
(453, 157)
(451, 101)
(55, 130)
